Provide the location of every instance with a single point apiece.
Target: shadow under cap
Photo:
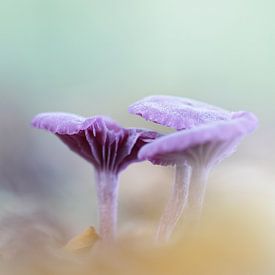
(99, 139)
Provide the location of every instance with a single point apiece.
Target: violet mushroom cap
(177, 112)
(215, 140)
(107, 146)
(202, 148)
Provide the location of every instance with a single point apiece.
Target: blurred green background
(97, 57)
(85, 55)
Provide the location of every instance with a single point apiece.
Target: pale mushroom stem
(107, 195)
(176, 203)
(197, 193)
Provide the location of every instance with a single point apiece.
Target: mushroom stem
(197, 193)
(107, 193)
(176, 203)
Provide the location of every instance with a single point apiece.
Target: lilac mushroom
(107, 146)
(195, 152)
(177, 112)
(190, 116)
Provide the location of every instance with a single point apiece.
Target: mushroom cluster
(205, 136)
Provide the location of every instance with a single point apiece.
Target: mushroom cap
(99, 140)
(205, 145)
(177, 112)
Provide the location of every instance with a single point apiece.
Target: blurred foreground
(238, 241)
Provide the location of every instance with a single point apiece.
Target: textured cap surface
(177, 112)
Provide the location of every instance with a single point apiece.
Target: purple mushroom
(195, 152)
(107, 146)
(177, 112)
(198, 121)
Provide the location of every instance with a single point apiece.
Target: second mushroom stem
(196, 194)
(107, 195)
(176, 203)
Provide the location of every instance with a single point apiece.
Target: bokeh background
(97, 57)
